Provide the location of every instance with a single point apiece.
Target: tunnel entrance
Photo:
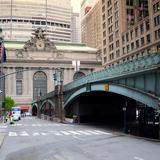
(115, 112)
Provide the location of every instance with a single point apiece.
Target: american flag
(2, 53)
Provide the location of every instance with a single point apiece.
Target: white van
(16, 113)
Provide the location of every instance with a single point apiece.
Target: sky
(76, 5)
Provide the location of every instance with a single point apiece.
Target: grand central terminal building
(30, 66)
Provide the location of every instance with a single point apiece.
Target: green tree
(9, 103)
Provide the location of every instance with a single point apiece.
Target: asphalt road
(35, 139)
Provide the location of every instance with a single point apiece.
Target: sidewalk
(3, 128)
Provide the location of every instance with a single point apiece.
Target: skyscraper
(131, 29)
(18, 18)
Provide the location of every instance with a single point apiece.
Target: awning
(24, 108)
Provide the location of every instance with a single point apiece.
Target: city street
(35, 139)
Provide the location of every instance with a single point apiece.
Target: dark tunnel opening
(116, 112)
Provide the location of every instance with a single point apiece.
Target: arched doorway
(39, 84)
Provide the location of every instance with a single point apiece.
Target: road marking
(85, 133)
(107, 133)
(93, 132)
(74, 132)
(43, 134)
(65, 133)
(35, 134)
(24, 133)
(12, 134)
(138, 158)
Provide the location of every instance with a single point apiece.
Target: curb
(2, 136)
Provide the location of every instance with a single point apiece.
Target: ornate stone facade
(39, 58)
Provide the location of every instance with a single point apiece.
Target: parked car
(28, 114)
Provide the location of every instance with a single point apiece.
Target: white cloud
(76, 5)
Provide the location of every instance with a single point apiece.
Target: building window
(127, 37)
(142, 28)
(147, 25)
(111, 38)
(104, 51)
(116, 24)
(156, 7)
(110, 29)
(137, 43)
(124, 50)
(117, 53)
(157, 34)
(109, 11)
(157, 20)
(104, 42)
(111, 47)
(117, 43)
(111, 56)
(109, 2)
(104, 33)
(123, 39)
(105, 59)
(115, 5)
(136, 32)
(127, 48)
(110, 20)
(19, 87)
(148, 38)
(103, 17)
(129, 2)
(104, 25)
(116, 14)
(131, 34)
(117, 33)
(142, 41)
(132, 45)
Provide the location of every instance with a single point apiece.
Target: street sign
(1, 91)
(106, 87)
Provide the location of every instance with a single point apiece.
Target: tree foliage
(9, 103)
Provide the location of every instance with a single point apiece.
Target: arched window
(39, 84)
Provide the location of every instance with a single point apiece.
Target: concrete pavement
(3, 128)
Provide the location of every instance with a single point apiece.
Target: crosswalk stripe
(74, 132)
(84, 132)
(93, 132)
(60, 133)
(24, 133)
(98, 131)
(65, 133)
(35, 134)
(12, 134)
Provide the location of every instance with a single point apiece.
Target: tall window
(39, 84)
(19, 87)
(19, 81)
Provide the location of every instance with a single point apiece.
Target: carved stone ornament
(19, 54)
(39, 42)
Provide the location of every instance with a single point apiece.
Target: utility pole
(58, 80)
(2, 94)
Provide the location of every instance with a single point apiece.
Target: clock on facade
(40, 44)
